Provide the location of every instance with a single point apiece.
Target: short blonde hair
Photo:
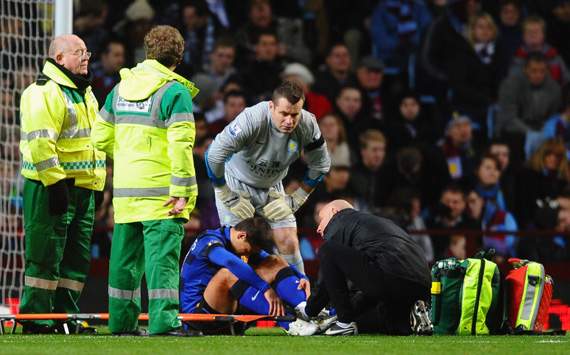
(371, 135)
(165, 44)
(533, 19)
(485, 17)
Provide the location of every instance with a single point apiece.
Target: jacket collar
(63, 76)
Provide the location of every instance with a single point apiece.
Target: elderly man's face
(74, 56)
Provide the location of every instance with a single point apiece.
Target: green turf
(272, 345)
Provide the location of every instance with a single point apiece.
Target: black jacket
(385, 244)
(448, 56)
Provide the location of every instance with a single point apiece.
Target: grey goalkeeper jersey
(252, 150)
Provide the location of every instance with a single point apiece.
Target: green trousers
(58, 250)
(152, 247)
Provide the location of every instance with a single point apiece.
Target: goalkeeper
(249, 158)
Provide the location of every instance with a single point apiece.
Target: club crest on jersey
(234, 130)
(292, 147)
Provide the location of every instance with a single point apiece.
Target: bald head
(328, 212)
(61, 43)
(70, 52)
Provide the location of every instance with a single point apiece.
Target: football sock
(286, 285)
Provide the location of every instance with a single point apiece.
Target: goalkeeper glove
(238, 204)
(282, 206)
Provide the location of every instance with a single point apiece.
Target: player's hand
(278, 208)
(178, 205)
(238, 204)
(276, 307)
(305, 285)
(282, 206)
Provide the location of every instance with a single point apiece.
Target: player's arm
(218, 255)
(103, 131)
(317, 157)
(176, 106)
(232, 139)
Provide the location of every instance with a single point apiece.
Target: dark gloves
(58, 198)
(99, 198)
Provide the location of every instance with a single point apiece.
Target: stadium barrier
(231, 319)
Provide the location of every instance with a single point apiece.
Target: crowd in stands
(446, 115)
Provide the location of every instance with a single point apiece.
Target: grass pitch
(276, 344)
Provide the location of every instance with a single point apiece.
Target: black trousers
(380, 296)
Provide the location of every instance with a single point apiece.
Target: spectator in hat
(457, 148)
(315, 103)
(135, 25)
(337, 72)
(370, 73)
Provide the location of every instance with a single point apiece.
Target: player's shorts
(258, 198)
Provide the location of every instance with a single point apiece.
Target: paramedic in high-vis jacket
(147, 128)
(61, 171)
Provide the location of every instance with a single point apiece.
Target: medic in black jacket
(381, 261)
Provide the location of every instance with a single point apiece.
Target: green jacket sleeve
(103, 132)
(176, 108)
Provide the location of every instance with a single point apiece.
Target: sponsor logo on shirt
(265, 169)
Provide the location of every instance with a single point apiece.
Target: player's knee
(286, 240)
(225, 276)
(287, 245)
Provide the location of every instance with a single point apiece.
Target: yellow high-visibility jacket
(147, 127)
(56, 122)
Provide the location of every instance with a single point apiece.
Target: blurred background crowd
(451, 116)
